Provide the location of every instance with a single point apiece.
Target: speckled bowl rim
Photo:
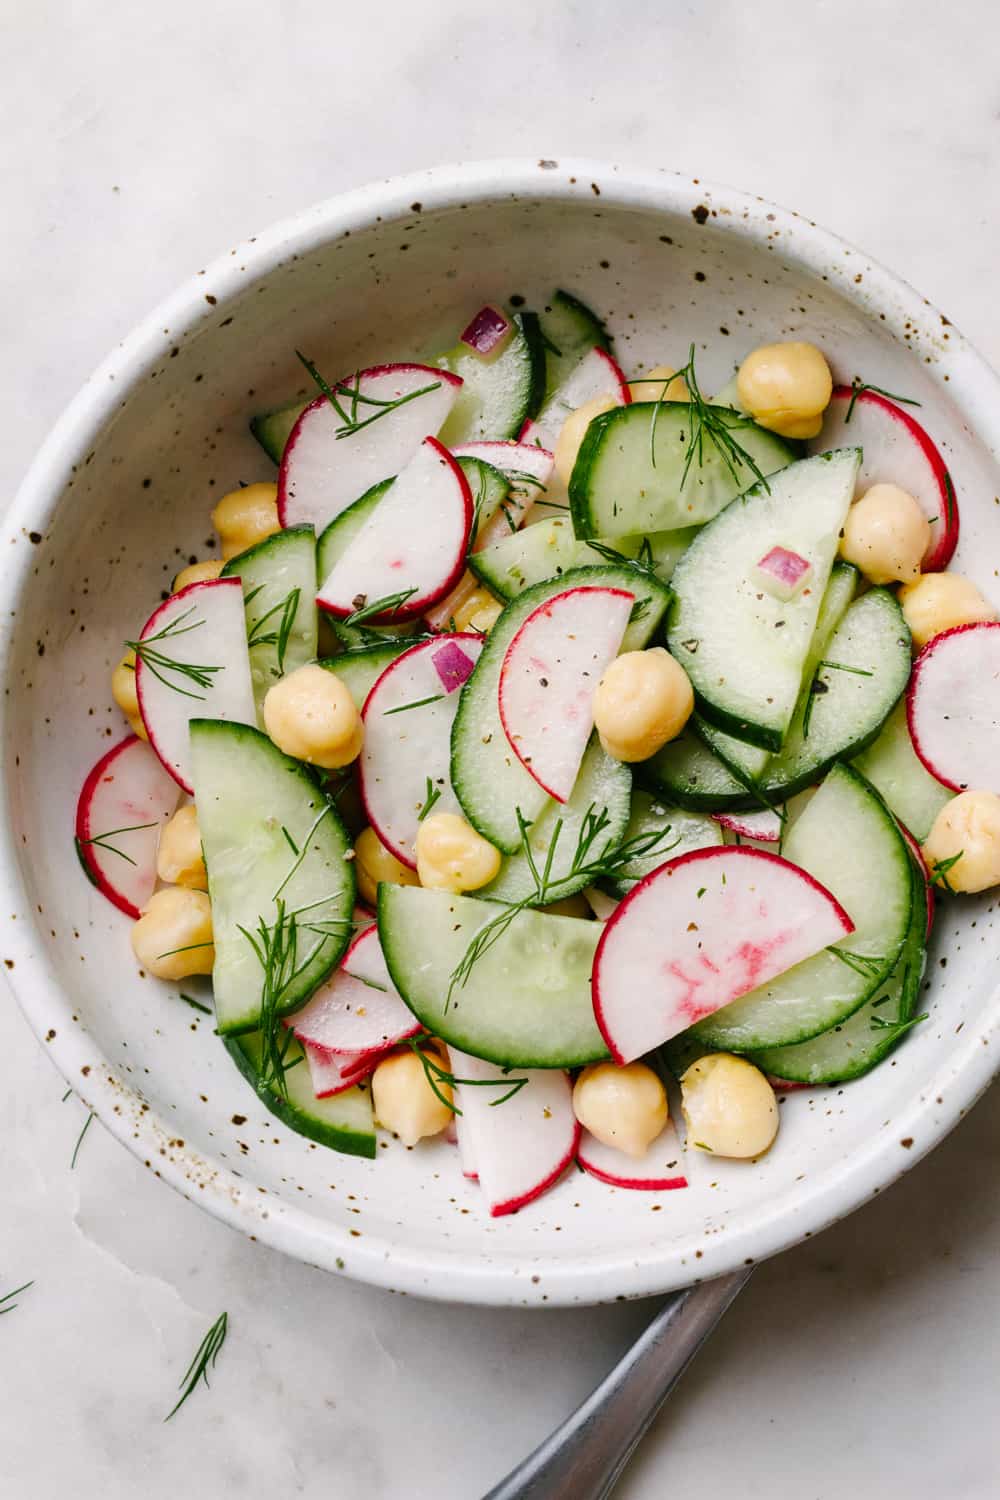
(967, 1066)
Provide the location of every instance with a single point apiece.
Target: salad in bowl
(558, 758)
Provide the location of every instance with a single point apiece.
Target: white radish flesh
(123, 805)
(357, 1011)
(897, 450)
(326, 466)
(659, 1169)
(597, 374)
(192, 663)
(765, 825)
(698, 933)
(522, 1146)
(408, 717)
(953, 707)
(335, 1072)
(414, 542)
(548, 678)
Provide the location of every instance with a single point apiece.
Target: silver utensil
(584, 1458)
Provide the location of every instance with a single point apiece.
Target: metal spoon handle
(583, 1459)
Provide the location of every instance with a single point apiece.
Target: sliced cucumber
(272, 428)
(744, 649)
(892, 767)
(361, 669)
(680, 832)
(569, 331)
(279, 594)
(343, 1122)
(549, 548)
(870, 1033)
(335, 539)
(527, 1002)
(603, 787)
(501, 391)
(847, 840)
(489, 780)
(688, 774)
(254, 805)
(616, 488)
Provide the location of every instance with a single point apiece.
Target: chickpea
(198, 572)
(729, 1106)
(886, 535)
(404, 1101)
(310, 714)
(624, 1107)
(245, 517)
(173, 937)
(939, 601)
(643, 700)
(373, 863)
(452, 856)
(786, 388)
(662, 383)
(478, 602)
(966, 831)
(179, 857)
(123, 691)
(572, 433)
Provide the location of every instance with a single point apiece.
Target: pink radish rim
(434, 645)
(636, 1184)
(362, 1053)
(734, 823)
(94, 775)
(539, 609)
(444, 375)
(911, 693)
(723, 851)
(511, 1205)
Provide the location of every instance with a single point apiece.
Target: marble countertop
(138, 141)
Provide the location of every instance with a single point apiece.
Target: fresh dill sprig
(79, 1140)
(940, 868)
(588, 864)
(641, 563)
(6, 1305)
(858, 388)
(387, 605)
(300, 854)
(195, 1004)
(528, 481)
(208, 1353)
(276, 949)
(278, 636)
(712, 424)
(840, 666)
(879, 1023)
(431, 796)
(354, 396)
(859, 962)
(100, 841)
(402, 708)
(160, 663)
(436, 1074)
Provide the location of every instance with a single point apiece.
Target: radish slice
(488, 329)
(358, 1011)
(765, 826)
(408, 717)
(466, 1155)
(325, 467)
(415, 540)
(548, 677)
(334, 1073)
(699, 932)
(658, 1170)
(522, 1146)
(897, 450)
(521, 462)
(124, 802)
(193, 664)
(597, 374)
(953, 707)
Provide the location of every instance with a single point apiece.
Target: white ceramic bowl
(120, 494)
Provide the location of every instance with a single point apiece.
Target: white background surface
(138, 141)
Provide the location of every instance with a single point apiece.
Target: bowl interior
(130, 503)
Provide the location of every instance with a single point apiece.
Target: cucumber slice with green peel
(569, 331)
(490, 782)
(891, 765)
(680, 832)
(616, 488)
(343, 1122)
(547, 549)
(527, 1001)
(688, 774)
(743, 648)
(848, 840)
(360, 669)
(499, 391)
(870, 1033)
(602, 789)
(273, 428)
(334, 540)
(270, 836)
(279, 595)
